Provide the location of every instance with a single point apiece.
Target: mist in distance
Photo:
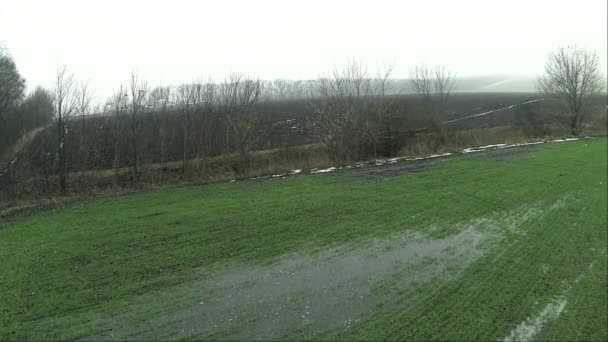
(173, 42)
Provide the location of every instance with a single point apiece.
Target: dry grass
(104, 182)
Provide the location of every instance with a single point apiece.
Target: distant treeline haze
(59, 141)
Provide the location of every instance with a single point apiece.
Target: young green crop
(82, 270)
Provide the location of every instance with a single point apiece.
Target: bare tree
(65, 95)
(205, 97)
(161, 99)
(434, 86)
(421, 77)
(281, 89)
(138, 92)
(429, 82)
(85, 98)
(237, 97)
(185, 100)
(350, 114)
(572, 76)
(117, 105)
(356, 78)
(383, 75)
(443, 84)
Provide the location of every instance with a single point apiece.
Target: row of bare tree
(198, 105)
(356, 119)
(352, 111)
(139, 125)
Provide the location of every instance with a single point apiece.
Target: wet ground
(407, 166)
(303, 295)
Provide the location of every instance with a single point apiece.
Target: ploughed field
(508, 247)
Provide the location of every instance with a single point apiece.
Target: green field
(494, 248)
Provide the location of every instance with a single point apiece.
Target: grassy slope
(97, 256)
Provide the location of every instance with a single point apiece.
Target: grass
(86, 270)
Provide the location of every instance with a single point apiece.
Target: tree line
(52, 135)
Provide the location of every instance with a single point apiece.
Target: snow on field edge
(380, 162)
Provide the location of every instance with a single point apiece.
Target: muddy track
(368, 169)
(409, 166)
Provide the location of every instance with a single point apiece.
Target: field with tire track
(507, 247)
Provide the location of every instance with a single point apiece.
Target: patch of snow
(380, 162)
(523, 144)
(565, 139)
(491, 146)
(501, 146)
(283, 122)
(438, 155)
(331, 169)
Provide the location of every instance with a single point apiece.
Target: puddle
(332, 290)
(308, 294)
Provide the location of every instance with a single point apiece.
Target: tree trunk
(185, 147)
(61, 168)
(573, 125)
(134, 171)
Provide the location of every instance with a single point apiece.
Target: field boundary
(27, 208)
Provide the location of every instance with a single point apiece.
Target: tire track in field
(468, 296)
(530, 327)
(462, 291)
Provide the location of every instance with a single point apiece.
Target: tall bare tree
(429, 82)
(117, 106)
(205, 95)
(138, 93)
(350, 113)
(434, 86)
(443, 84)
(65, 95)
(356, 78)
(185, 98)
(161, 99)
(421, 77)
(382, 77)
(237, 97)
(85, 99)
(572, 76)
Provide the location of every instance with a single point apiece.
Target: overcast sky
(173, 41)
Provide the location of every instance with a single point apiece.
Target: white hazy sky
(173, 41)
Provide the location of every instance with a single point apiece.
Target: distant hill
(483, 84)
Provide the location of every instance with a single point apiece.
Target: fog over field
(170, 43)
